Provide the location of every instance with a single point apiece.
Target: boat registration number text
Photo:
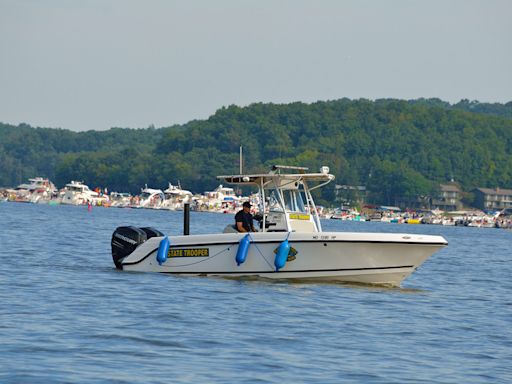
(189, 252)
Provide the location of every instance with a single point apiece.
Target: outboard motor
(152, 232)
(124, 242)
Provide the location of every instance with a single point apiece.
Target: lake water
(68, 316)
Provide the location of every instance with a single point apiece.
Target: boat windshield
(273, 202)
(145, 195)
(293, 201)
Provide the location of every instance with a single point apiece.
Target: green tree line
(393, 147)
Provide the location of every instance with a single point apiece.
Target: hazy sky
(100, 63)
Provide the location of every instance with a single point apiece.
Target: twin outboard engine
(126, 239)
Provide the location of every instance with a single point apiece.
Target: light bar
(277, 167)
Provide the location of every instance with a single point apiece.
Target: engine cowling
(152, 232)
(124, 241)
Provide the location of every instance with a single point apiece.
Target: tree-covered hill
(497, 109)
(394, 147)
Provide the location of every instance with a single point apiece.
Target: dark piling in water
(186, 219)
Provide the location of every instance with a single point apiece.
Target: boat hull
(369, 258)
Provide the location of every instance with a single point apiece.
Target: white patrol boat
(290, 245)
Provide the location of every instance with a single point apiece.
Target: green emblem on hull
(291, 255)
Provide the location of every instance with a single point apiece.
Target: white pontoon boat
(290, 245)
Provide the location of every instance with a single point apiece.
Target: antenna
(241, 162)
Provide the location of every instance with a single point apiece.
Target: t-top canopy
(278, 177)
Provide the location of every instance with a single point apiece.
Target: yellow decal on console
(296, 216)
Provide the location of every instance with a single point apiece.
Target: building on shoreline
(350, 195)
(448, 198)
(495, 199)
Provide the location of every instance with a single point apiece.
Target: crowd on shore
(226, 200)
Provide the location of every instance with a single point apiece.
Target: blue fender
(282, 255)
(243, 249)
(163, 250)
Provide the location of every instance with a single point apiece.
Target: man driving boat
(244, 219)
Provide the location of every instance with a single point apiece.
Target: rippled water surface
(67, 315)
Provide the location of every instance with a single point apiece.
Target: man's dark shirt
(245, 219)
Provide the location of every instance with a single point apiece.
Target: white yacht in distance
(220, 197)
(290, 244)
(222, 194)
(150, 198)
(175, 196)
(77, 193)
(120, 199)
(38, 190)
(38, 183)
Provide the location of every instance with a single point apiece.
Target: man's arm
(240, 227)
(251, 222)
